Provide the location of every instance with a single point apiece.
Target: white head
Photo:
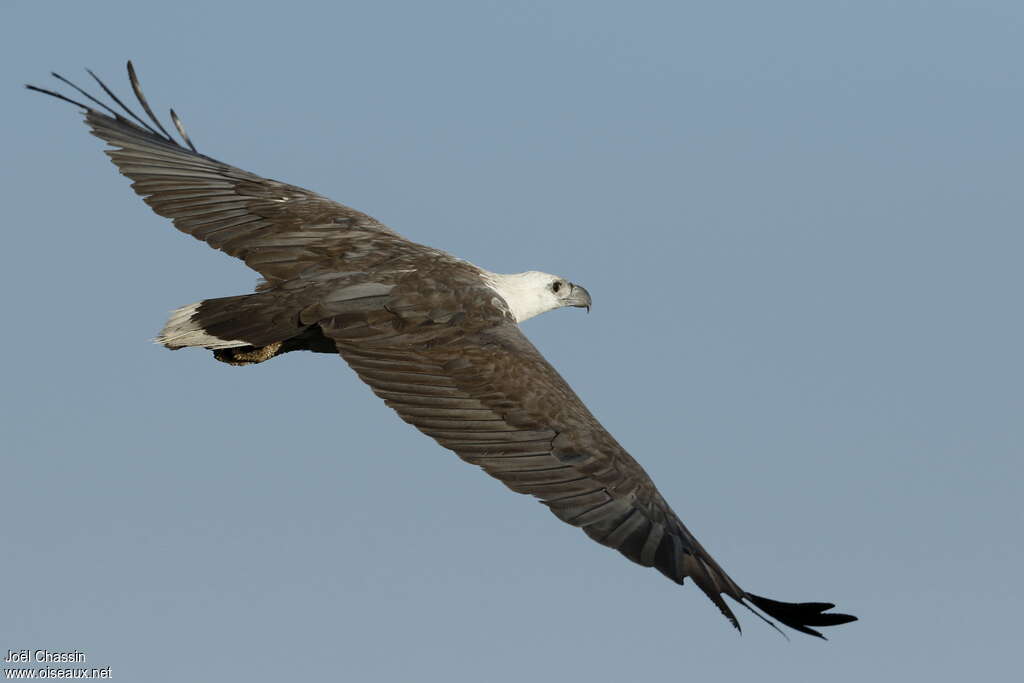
(532, 293)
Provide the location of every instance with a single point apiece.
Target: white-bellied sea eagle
(436, 337)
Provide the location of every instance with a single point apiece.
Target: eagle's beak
(578, 297)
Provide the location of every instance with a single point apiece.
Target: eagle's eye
(556, 286)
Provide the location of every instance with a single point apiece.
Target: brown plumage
(434, 336)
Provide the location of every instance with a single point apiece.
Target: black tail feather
(800, 616)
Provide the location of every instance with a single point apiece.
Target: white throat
(527, 294)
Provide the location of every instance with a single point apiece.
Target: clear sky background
(801, 226)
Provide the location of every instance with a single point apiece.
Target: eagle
(434, 336)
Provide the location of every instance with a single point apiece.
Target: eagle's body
(434, 336)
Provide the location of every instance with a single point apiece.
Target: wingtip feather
(800, 616)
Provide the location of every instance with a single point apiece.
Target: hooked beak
(578, 297)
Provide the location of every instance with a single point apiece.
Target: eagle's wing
(279, 230)
(486, 393)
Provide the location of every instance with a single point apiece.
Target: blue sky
(801, 226)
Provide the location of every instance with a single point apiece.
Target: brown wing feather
(278, 229)
(487, 394)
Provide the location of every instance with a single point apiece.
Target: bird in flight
(435, 336)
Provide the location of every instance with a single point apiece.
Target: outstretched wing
(279, 230)
(489, 395)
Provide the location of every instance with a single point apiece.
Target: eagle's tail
(239, 329)
(188, 326)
